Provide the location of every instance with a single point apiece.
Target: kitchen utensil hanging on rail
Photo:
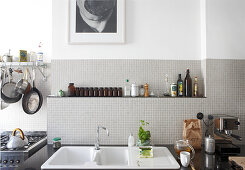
(23, 86)
(33, 100)
(3, 105)
(8, 93)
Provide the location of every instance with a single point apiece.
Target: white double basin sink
(80, 157)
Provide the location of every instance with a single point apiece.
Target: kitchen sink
(81, 157)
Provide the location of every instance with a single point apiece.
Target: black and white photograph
(97, 21)
(96, 16)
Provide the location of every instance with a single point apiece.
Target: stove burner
(32, 139)
(13, 157)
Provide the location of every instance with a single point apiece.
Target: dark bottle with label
(188, 84)
(180, 86)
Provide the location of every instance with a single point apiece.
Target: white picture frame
(97, 37)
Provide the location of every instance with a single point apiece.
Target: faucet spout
(97, 144)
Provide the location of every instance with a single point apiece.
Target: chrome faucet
(97, 144)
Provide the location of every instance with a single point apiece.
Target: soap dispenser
(131, 141)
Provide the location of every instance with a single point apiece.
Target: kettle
(16, 142)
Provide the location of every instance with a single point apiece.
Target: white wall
(155, 29)
(225, 29)
(23, 25)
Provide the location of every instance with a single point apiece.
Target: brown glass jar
(77, 92)
(115, 92)
(86, 92)
(106, 92)
(71, 90)
(96, 92)
(91, 92)
(120, 92)
(81, 92)
(101, 92)
(110, 92)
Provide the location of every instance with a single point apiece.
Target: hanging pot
(3, 105)
(33, 100)
(22, 85)
(8, 93)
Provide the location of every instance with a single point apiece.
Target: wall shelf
(39, 65)
(161, 97)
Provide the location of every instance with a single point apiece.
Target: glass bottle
(86, 91)
(110, 91)
(96, 92)
(115, 92)
(142, 90)
(101, 92)
(119, 92)
(71, 90)
(77, 91)
(91, 92)
(195, 89)
(106, 92)
(180, 86)
(127, 88)
(167, 87)
(81, 92)
(188, 84)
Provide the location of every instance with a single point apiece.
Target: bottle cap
(127, 80)
(57, 139)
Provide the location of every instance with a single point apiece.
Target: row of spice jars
(96, 92)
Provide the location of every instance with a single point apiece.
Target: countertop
(201, 160)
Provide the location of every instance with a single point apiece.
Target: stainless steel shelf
(38, 65)
(24, 64)
(155, 97)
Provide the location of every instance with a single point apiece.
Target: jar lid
(57, 139)
(71, 84)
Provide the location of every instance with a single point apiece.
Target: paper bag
(193, 133)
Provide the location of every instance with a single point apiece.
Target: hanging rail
(37, 65)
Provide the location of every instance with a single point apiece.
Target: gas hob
(14, 157)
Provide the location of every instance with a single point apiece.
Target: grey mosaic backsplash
(75, 119)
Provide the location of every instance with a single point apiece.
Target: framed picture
(97, 21)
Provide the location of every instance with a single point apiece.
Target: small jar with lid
(71, 90)
(57, 143)
(120, 92)
(110, 92)
(96, 92)
(101, 92)
(86, 91)
(91, 92)
(115, 92)
(77, 92)
(134, 90)
(81, 91)
(106, 92)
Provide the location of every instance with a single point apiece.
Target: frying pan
(8, 93)
(33, 100)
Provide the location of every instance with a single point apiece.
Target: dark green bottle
(188, 84)
(180, 86)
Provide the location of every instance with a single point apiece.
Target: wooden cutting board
(239, 160)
